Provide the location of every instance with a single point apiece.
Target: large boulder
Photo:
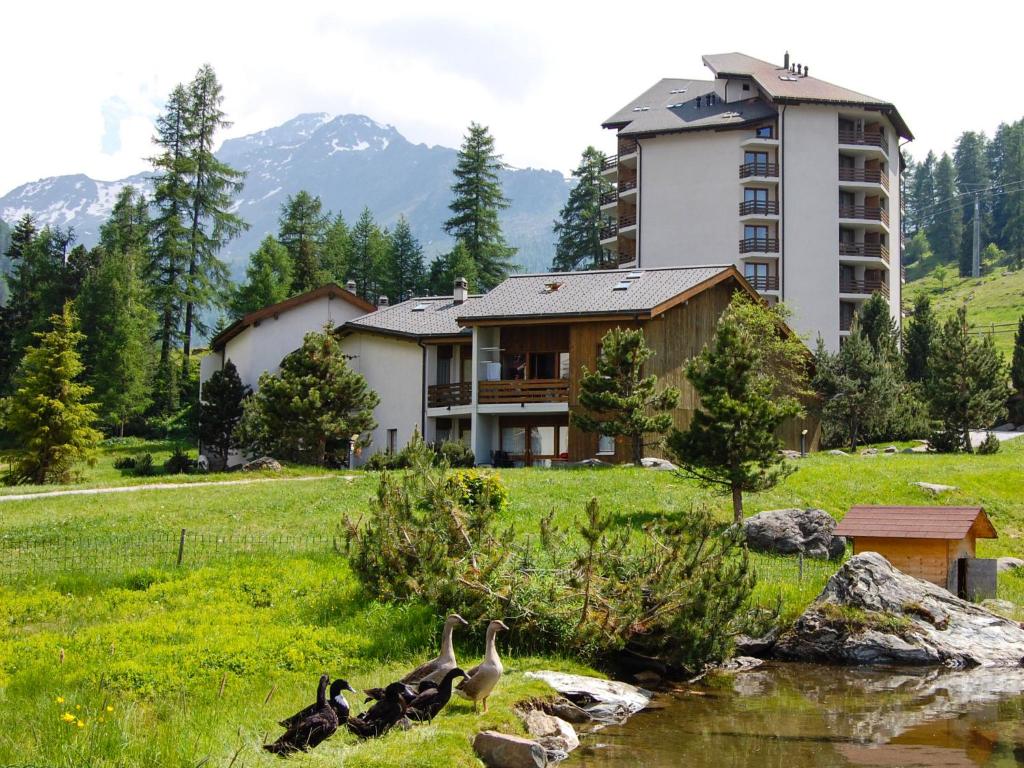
(1008, 564)
(606, 701)
(872, 613)
(789, 531)
(662, 465)
(262, 464)
(553, 733)
(502, 750)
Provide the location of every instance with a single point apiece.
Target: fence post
(800, 560)
(181, 547)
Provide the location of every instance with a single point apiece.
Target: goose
(481, 679)
(426, 706)
(335, 699)
(379, 718)
(435, 669)
(309, 730)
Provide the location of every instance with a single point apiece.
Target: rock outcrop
(789, 531)
(553, 733)
(606, 701)
(871, 613)
(502, 750)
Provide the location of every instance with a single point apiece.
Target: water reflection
(796, 716)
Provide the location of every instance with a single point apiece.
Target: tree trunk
(638, 449)
(737, 504)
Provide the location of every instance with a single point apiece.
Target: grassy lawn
(188, 658)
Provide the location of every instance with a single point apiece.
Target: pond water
(800, 715)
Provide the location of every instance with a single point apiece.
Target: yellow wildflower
(67, 717)
(78, 706)
(101, 718)
(110, 708)
(59, 699)
(81, 724)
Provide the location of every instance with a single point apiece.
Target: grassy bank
(199, 662)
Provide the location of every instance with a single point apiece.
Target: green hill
(995, 301)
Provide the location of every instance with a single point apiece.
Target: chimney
(350, 286)
(805, 70)
(382, 302)
(461, 292)
(785, 61)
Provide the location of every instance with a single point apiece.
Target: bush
(456, 454)
(989, 445)
(382, 461)
(144, 465)
(125, 463)
(476, 489)
(179, 463)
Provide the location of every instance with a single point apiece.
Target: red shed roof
(916, 523)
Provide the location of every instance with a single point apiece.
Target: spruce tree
(303, 228)
(127, 228)
(919, 337)
(309, 411)
(970, 158)
(268, 279)
(336, 251)
(477, 201)
(447, 268)
(731, 442)
(1017, 371)
(617, 400)
(11, 313)
(921, 197)
(578, 229)
(878, 326)
(1010, 210)
(945, 228)
(220, 410)
(968, 385)
(367, 257)
(406, 272)
(212, 185)
(48, 414)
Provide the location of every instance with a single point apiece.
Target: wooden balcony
(447, 395)
(863, 138)
(759, 245)
(767, 170)
(610, 162)
(865, 212)
(627, 147)
(864, 287)
(759, 208)
(524, 391)
(610, 230)
(763, 282)
(845, 322)
(865, 175)
(609, 197)
(629, 220)
(627, 185)
(867, 250)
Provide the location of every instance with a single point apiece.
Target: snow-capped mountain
(350, 161)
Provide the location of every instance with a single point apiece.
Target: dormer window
(764, 132)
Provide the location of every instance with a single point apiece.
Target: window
(605, 445)
(765, 131)
(754, 270)
(392, 441)
(746, 86)
(755, 195)
(755, 232)
(758, 158)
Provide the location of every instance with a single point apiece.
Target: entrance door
(530, 443)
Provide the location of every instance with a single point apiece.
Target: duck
(435, 669)
(335, 699)
(410, 692)
(481, 679)
(308, 730)
(431, 701)
(382, 716)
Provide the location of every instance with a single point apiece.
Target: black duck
(310, 730)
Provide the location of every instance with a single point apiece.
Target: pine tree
(921, 200)
(309, 411)
(920, 335)
(477, 202)
(945, 229)
(1017, 371)
(970, 158)
(967, 387)
(303, 228)
(578, 229)
(220, 410)
(11, 315)
(127, 228)
(211, 189)
(268, 279)
(616, 399)
(731, 442)
(367, 257)
(336, 251)
(1010, 208)
(406, 272)
(447, 268)
(118, 353)
(48, 413)
(878, 326)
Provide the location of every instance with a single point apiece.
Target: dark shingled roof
(952, 523)
(436, 318)
(569, 294)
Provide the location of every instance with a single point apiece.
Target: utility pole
(976, 244)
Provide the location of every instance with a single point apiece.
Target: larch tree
(212, 186)
(127, 229)
(48, 414)
(476, 204)
(302, 230)
(946, 224)
(336, 251)
(221, 405)
(367, 257)
(918, 339)
(578, 229)
(407, 275)
(617, 400)
(268, 279)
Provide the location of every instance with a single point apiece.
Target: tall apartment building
(793, 179)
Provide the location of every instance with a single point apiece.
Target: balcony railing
(609, 197)
(627, 146)
(865, 287)
(769, 170)
(610, 230)
(867, 212)
(759, 208)
(625, 186)
(442, 395)
(867, 175)
(845, 322)
(862, 138)
(763, 282)
(628, 220)
(610, 162)
(869, 250)
(759, 245)
(524, 391)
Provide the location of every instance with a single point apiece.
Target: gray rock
(999, 606)
(1007, 564)
(871, 613)
(647, 677)
(262, 464)
(869, 452)
(891, 449)
(837, 452)
(585, 463)
(554, 734)
(788, 454)
(935, 488)
(564, 709)
(789, 531)
(606, 701)
(502, 750)
(658, 464)
(758, 647)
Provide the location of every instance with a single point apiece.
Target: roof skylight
(622, 285)
(419, 307)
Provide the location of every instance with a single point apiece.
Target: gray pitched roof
(571, 294)
(429, 316)
(671, 105)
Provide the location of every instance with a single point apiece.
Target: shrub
(179, 463)
(456, 454)
(382, 460)
(125, 462)
(144, 465)
(476, 489)
(989, 445)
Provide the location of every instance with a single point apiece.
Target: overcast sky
(84, 81)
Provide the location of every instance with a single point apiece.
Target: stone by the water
(556, 735)
(606, 701)
(791, 531)
(503, 750)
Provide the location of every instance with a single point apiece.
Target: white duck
(480, 681)
(435, 669)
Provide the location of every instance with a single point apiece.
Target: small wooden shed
(936, 544)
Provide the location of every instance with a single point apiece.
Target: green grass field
(197, 663)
